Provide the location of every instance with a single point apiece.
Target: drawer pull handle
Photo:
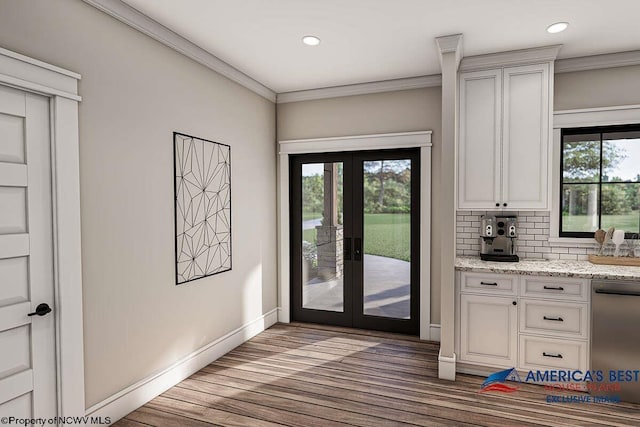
(489, 283)
(554, 288)
(557, 356)
(555, 319)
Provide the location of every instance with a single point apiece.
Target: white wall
(400, 111)
(136, 92)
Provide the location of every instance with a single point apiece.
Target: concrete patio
(386, 289)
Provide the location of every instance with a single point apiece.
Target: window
(600, 180)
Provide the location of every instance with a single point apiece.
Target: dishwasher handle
(623, 293)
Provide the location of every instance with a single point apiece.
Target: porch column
(330, 233)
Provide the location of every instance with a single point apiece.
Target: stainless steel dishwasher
(615, 336)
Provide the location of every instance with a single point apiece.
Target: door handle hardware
(555, 319)
(347, 249)
(489, 283)
(41, 310)
(628, 294)
(554, 288)
(357, 249)
(557, 356)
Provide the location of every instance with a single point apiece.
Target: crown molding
(450, 44)
(510, 58)
(141, 22)
(596, 62)
(361, 89)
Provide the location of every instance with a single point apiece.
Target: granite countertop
(557, 268)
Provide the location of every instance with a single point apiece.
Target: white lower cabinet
(488, 330)
(542, 324)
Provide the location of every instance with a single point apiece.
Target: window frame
(602, 129)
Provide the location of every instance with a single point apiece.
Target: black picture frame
(202, 207)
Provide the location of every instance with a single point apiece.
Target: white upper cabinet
(525, 137)
(504, 131)
(479, 151)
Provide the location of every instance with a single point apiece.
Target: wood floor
(310, 375)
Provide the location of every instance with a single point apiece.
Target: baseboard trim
(434, 332)
(283, 315)
(136, 395)
(446, 367)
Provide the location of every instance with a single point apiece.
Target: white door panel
(20, 407)
(14, 245)
(12, 131)
(28, 371)
(13, 175)
(14, 276)
(13, 210)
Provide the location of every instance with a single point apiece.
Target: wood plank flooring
(306, 375)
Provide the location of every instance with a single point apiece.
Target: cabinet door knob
(515, 303)
(504, 204)
(497, 205)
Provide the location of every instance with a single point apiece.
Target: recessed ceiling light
(311, 40)
(558, 27)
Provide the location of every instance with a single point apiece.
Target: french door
(355, 239)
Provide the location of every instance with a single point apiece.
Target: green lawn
(629, 223)
(388, 235)
(385, 235)
(311, 215)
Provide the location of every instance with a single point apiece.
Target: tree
(581, 164)
(387, 186)
(582, 160)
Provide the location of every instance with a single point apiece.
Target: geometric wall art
(202, 188)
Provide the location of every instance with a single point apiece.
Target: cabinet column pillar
(450, 50)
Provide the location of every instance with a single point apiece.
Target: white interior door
(27, 343)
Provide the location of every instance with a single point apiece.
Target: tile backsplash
(532, 242)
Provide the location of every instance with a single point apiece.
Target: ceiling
(374, 40)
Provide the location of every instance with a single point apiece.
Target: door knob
(41, 310)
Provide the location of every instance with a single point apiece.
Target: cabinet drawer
(556, 288)
(500, 284)
(562, 319)
(552, 353)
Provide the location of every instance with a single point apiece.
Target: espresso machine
(497, 238)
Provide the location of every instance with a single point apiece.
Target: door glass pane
(322, 236)
(387, 238)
